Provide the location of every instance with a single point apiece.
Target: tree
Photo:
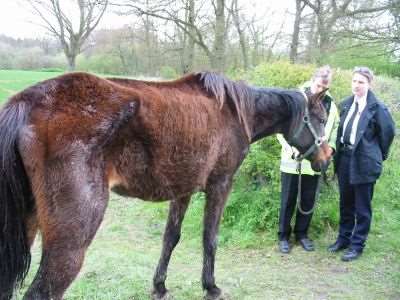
(241, 33)
(56, 21)
(331, 13)
(188, 42)
(300, 5)
(197, 29)
(386, 32)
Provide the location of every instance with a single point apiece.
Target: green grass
(13, 81)
(120, 262)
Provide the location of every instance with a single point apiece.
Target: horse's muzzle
(320, 166)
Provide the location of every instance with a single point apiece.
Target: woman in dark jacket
(366, 131)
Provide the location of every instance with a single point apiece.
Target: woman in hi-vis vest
(309, 179)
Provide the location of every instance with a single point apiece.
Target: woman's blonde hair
(364, 71)
(324, 72)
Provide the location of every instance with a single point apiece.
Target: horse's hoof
(161, 296)
(215, 294)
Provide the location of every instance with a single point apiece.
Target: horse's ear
(316, 98)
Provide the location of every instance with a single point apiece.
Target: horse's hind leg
(217, 192)
(31, 226)
(69, 210)
(177, 209)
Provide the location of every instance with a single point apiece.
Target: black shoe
(351, 254)
(307, 244)
(337, 246)
(284, 246)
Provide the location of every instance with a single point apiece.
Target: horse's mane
(237, 93)
(293, 98)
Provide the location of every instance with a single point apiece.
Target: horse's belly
(154, 188)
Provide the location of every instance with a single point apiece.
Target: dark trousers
(289, 187)
(355, 207)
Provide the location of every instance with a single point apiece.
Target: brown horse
(65, 142)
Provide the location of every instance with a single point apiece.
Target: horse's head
(307, 133)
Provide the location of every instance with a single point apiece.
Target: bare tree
(311, 38)
(56, 21)
(235, 11)
(197, 29)
(329, 14)
(300, 5)
(218, 57)
(386, 32)
(189, 43)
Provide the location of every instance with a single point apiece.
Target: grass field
(14, 81)
(121, 260)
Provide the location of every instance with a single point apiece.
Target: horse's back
(75, 108)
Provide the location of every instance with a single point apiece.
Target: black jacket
(375, 133)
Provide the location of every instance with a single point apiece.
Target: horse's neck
(271, 115)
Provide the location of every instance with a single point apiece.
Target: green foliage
(168, 72)
(280, 74)
(31, 58)
(349, 55)
(254, 201)
(101, 63)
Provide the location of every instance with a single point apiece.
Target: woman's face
(359, 85)
(318, 85)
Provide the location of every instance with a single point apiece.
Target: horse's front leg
(217, 193)
(177, 209)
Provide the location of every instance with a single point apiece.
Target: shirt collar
(362, 101)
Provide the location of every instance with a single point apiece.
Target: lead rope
(298, 169)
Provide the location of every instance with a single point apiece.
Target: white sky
(17, 21)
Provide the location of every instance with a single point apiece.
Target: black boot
(284, 246)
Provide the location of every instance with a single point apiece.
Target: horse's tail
(15, 200)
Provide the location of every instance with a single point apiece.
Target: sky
(17, 20)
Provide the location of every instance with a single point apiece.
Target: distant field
(13, 81)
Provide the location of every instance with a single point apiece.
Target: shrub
(101, 63)
(280, 74)
(168, 72)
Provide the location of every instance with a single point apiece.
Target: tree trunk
(189, 44)
(149, 63)
(71, 63)
(296, 32)
(242, 36)
(324, 36)
(218, 57)
(311, 41)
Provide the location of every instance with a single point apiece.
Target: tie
(349, 126)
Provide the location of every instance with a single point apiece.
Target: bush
(254, 201)
(168, 72)
(101, 63)
(281, 74)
